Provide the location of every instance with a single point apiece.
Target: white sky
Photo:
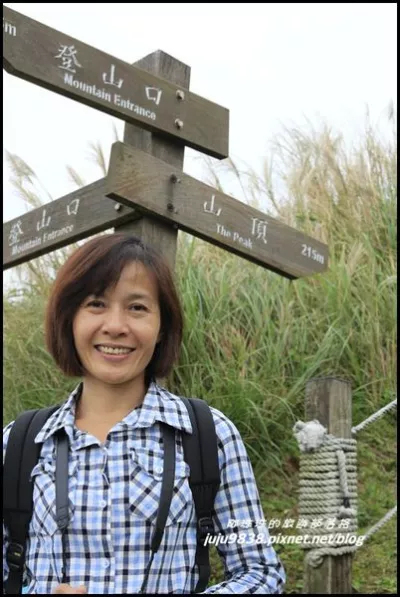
(269, 64)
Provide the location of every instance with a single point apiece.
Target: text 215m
(312, 254)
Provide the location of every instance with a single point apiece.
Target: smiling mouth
(113, 350)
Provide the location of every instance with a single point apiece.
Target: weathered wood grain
(149, 229)
(138, 179)
(60, 63)
(328, 399)
(78, 215)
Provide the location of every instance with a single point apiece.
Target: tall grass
(253, 339)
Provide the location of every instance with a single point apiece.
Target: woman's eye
(138, 307)
(98, 304)
(95, 303)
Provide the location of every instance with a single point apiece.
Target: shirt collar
(158, 405)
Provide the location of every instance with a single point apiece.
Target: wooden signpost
(145, 191)
(59, 223)
(163, 237)
(65, 65)
(199, 209)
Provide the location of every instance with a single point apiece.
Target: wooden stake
(328, 400)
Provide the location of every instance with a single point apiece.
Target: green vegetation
(253, 339)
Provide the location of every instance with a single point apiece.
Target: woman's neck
(109, 403)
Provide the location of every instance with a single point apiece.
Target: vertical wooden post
(155, 232)
(328, 400)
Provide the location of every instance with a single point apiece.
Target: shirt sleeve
(250, 562)
(6, 434)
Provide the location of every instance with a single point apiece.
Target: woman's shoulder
(6, 435)
(7, 429)
(225, 428)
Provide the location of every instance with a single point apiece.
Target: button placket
(104, 468)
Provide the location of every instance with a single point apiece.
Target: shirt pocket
(43, 475)
(145, 487)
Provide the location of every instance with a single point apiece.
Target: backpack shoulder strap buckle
(205, 528)
(15, 555)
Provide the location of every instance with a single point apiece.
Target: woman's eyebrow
(138, 295)
(130, 297)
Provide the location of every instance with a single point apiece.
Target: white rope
(328, 490)
(382, 411)
(316, 556)
(380, 524)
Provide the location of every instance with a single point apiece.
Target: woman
(114, 319)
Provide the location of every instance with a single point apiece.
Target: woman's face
(115, 334)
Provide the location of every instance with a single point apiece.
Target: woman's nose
(115, 321)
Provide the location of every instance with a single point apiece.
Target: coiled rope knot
(327, 492)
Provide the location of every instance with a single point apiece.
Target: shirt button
(104, 504)
(107, 564)
(159, 470)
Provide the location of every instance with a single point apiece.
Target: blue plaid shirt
(114, 491)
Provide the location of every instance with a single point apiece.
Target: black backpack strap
(167, 489)
(62, 496)
(21, 456)
(201, 454)
(167, 486)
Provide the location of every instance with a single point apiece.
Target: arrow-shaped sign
(137, 179)
(61, 222)
(58, 62)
